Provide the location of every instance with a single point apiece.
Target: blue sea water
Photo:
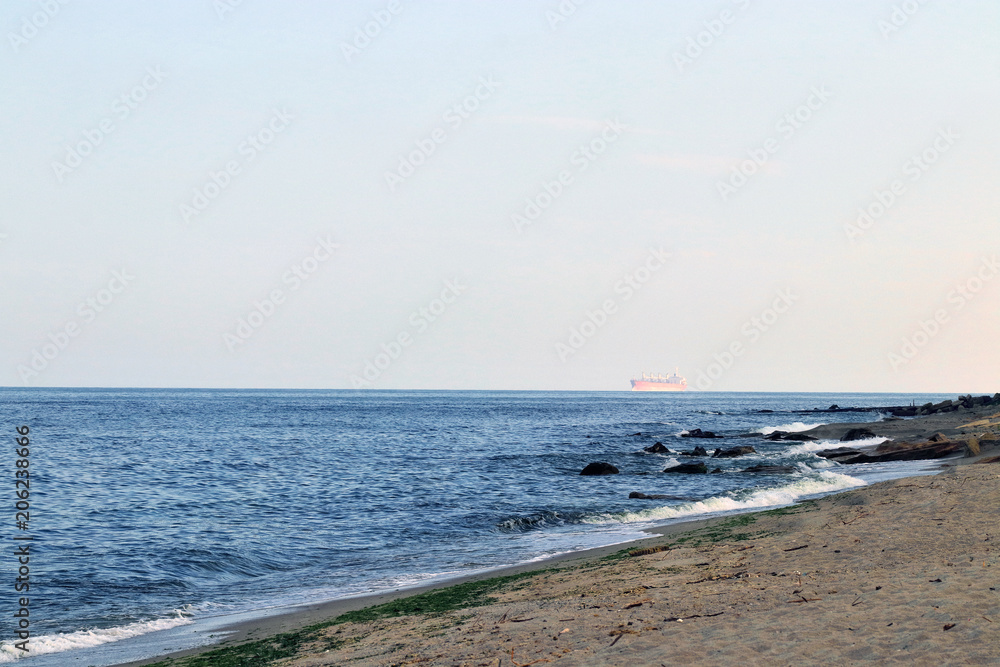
(154, 509)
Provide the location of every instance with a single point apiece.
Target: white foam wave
(88, 638)
(822, 481)
(820, 445)
(794, 427)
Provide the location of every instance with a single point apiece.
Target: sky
(766, 195)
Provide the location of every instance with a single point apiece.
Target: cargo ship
(673, 382)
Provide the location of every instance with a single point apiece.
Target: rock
(785, 435)
(906, 451)
(657, 448)
(771, 470)
(635, 434)
(857, 434)
(716, 471)
(938, 437)
(834, 407)
(765, 411)
(733, 452)
(698, 433)
(689, 469)
(697, 451)
(599, 468)
(839, 453)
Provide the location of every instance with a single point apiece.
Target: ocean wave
(821, 482)
(794, 427)
(88, 638)
(820, 445)
(539, 520)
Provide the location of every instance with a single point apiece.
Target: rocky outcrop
(656, 448)
(733, 452)
(689, 469)
(839, 453)
(698, 433)
(785, 435)
(697, 451)
(771, 470)
(857, 434)
(599, 468)
(638, 495)
(904, 451)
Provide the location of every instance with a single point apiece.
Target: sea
(157, 515)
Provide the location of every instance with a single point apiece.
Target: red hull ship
(672, 382)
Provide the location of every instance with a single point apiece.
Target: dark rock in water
(657, 448)
(857, 434)
(765, 411)
(785, 435)
(838, 453)
(698, 433)
(716, 471)
(771, 470)
(635, 434)
(689, 468)
(697, 451)
(733, 452)
(834, 407)
(599, 468)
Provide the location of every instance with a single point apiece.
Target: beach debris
(948, 626)
(689, 469)
(698, 433)
(648, 550)
(803, 599)
(681, 619)
(599, 468)
(721, 577)
(636, 604)
(934, 581)
(733, 452)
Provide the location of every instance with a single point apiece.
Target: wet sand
(899, 571)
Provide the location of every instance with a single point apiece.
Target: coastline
(296, 618)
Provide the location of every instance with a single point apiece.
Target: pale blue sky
(668, 135)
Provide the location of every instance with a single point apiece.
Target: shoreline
(291, 619)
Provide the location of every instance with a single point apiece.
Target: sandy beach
(898, 571)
